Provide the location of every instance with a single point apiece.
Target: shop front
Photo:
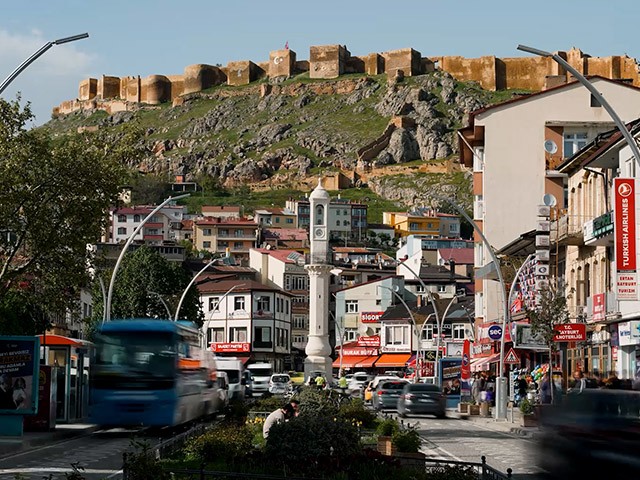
(628, 350)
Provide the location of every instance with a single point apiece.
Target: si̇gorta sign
(19, 369)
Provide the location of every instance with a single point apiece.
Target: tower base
(318, 364)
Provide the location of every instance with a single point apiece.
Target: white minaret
(318, 348)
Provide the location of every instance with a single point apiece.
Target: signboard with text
(230, 347)
(625, 238)
(360, 351)
(598, 314)
(372, 341)
(570, 332)
(370, 317)
(19, 369)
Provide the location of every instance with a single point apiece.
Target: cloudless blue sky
(144, 37)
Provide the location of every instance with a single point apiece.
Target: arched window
(136, 218)
(320, 215)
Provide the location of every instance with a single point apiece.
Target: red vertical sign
(625, 238)
(465, 370)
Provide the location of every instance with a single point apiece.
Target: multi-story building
(346, 219)
(429, 246)
(415, 223)
(225, 236)
(514, 149)
(160, 228)
(248, 319)
(276, 218)
(222, 211)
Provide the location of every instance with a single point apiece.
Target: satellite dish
(550, 147)
(549, 200)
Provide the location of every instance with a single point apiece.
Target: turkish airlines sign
(625, 238)
(570, 332)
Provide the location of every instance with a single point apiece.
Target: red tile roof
(459, 255)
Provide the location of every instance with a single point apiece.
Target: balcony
(599, 231)
(567, 230)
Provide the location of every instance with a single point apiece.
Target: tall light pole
(166, 307)
(107, 307)
(594, 91)
(37, 54)
(501, 384)
(440, 328)
(184, 293)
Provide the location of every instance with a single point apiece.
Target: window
(344, 212)
(264, 303)
(478, 159)
(122, 231)
(286, 307)
(238, 245)
(420, 289)
(574, 142)
(277, 219)
(478, 207)
(337, 223)
(351, 334)
(378, 301)
(414, 226)
(136, 218)
(215, 335)
(238, 334)
(298, 339)
(426, 333)
(397, 335)
(458, 331)
(338, 212)
(262, 337)
(239, 233)
(289, 221)
(351, 306)
(206, 232)
(441, 288)
(238, 303)
(206, 244)
(214, 304)
(122, 218)
(299, 321)
(223, 232)
(320, 215)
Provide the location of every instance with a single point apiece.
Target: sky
(145, 37)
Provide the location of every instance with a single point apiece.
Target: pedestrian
(580, 382)
(521, 388)
(277, 416)
(545, 390)
(295, 404)
(342, 383)
(475, 389)
(320, 382)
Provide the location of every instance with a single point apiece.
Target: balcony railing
(568, 230)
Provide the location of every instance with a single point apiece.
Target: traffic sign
(512, 357)
(495, 332)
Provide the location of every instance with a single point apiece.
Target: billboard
(19, 369)
(523, 337)
(624, 226)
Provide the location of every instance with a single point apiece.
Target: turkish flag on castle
(465, 369)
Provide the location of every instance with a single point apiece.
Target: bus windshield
(142, 353)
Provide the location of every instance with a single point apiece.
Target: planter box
(474, 409)
(484, 409)
(529, 420)
(385, 446)
(411, 460)
(463, 408)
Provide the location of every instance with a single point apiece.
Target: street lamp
(440, 329)
(166, 307)
(37, 54)
(107, 307)
(184, 293)
(616, 119)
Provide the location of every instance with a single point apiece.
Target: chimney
(419, 301)
(452, 269)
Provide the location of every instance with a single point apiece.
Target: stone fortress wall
(330, 61)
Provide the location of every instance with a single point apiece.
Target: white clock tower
(318, 349)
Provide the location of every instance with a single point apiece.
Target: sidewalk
(512, 425)
(31, 440)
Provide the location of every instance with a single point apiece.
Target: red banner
(370, 317)
(372, 341)
(231, 347)
(465, 370)
(570, 332)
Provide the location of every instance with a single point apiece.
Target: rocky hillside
(396, 136)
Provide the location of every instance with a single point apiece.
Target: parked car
(280, 384)
(423, 398)
(385, 395)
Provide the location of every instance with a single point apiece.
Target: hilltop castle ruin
(330, 61)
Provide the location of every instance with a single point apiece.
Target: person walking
(320, 382)
(277, 416)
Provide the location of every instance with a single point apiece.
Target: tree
(144, 281)
(54, 199)
(550, 312)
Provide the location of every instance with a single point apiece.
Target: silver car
(386, 394)
(422, 398)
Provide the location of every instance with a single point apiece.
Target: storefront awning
(51, 340)
(355, 361)
(393, 360)
(480, 364)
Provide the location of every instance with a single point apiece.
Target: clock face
(319, 233)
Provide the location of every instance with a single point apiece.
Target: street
(468, 441)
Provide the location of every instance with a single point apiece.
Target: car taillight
(381, 392)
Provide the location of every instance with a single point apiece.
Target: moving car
(260, 373)
(422, 398)
(386, 394)
(358, 383)
(280, 384)
(372, 385)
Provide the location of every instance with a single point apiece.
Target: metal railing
(482, 469)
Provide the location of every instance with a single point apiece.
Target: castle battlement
(331, 61)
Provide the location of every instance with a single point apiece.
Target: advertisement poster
(450, 376)
(19, 368)
(624, 226)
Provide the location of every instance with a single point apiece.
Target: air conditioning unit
(544, 211)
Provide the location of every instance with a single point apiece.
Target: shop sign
(360, 352)
(629, 333)
(570, 332)
(19, 370)
(598, 308)
(370, 317)
(396, 348)
(454, 349)
(230, 347)
(523, 337)
(372, 341)
(625, 238)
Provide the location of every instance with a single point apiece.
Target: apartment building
(225, 236)
(160, 228)
(276, 218)
(414, 223)
(346, 219)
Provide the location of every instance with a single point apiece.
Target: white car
(280, 384)
(358, 383)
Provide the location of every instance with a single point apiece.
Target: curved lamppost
(184, 293)
(107, 312)
(37, 54)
